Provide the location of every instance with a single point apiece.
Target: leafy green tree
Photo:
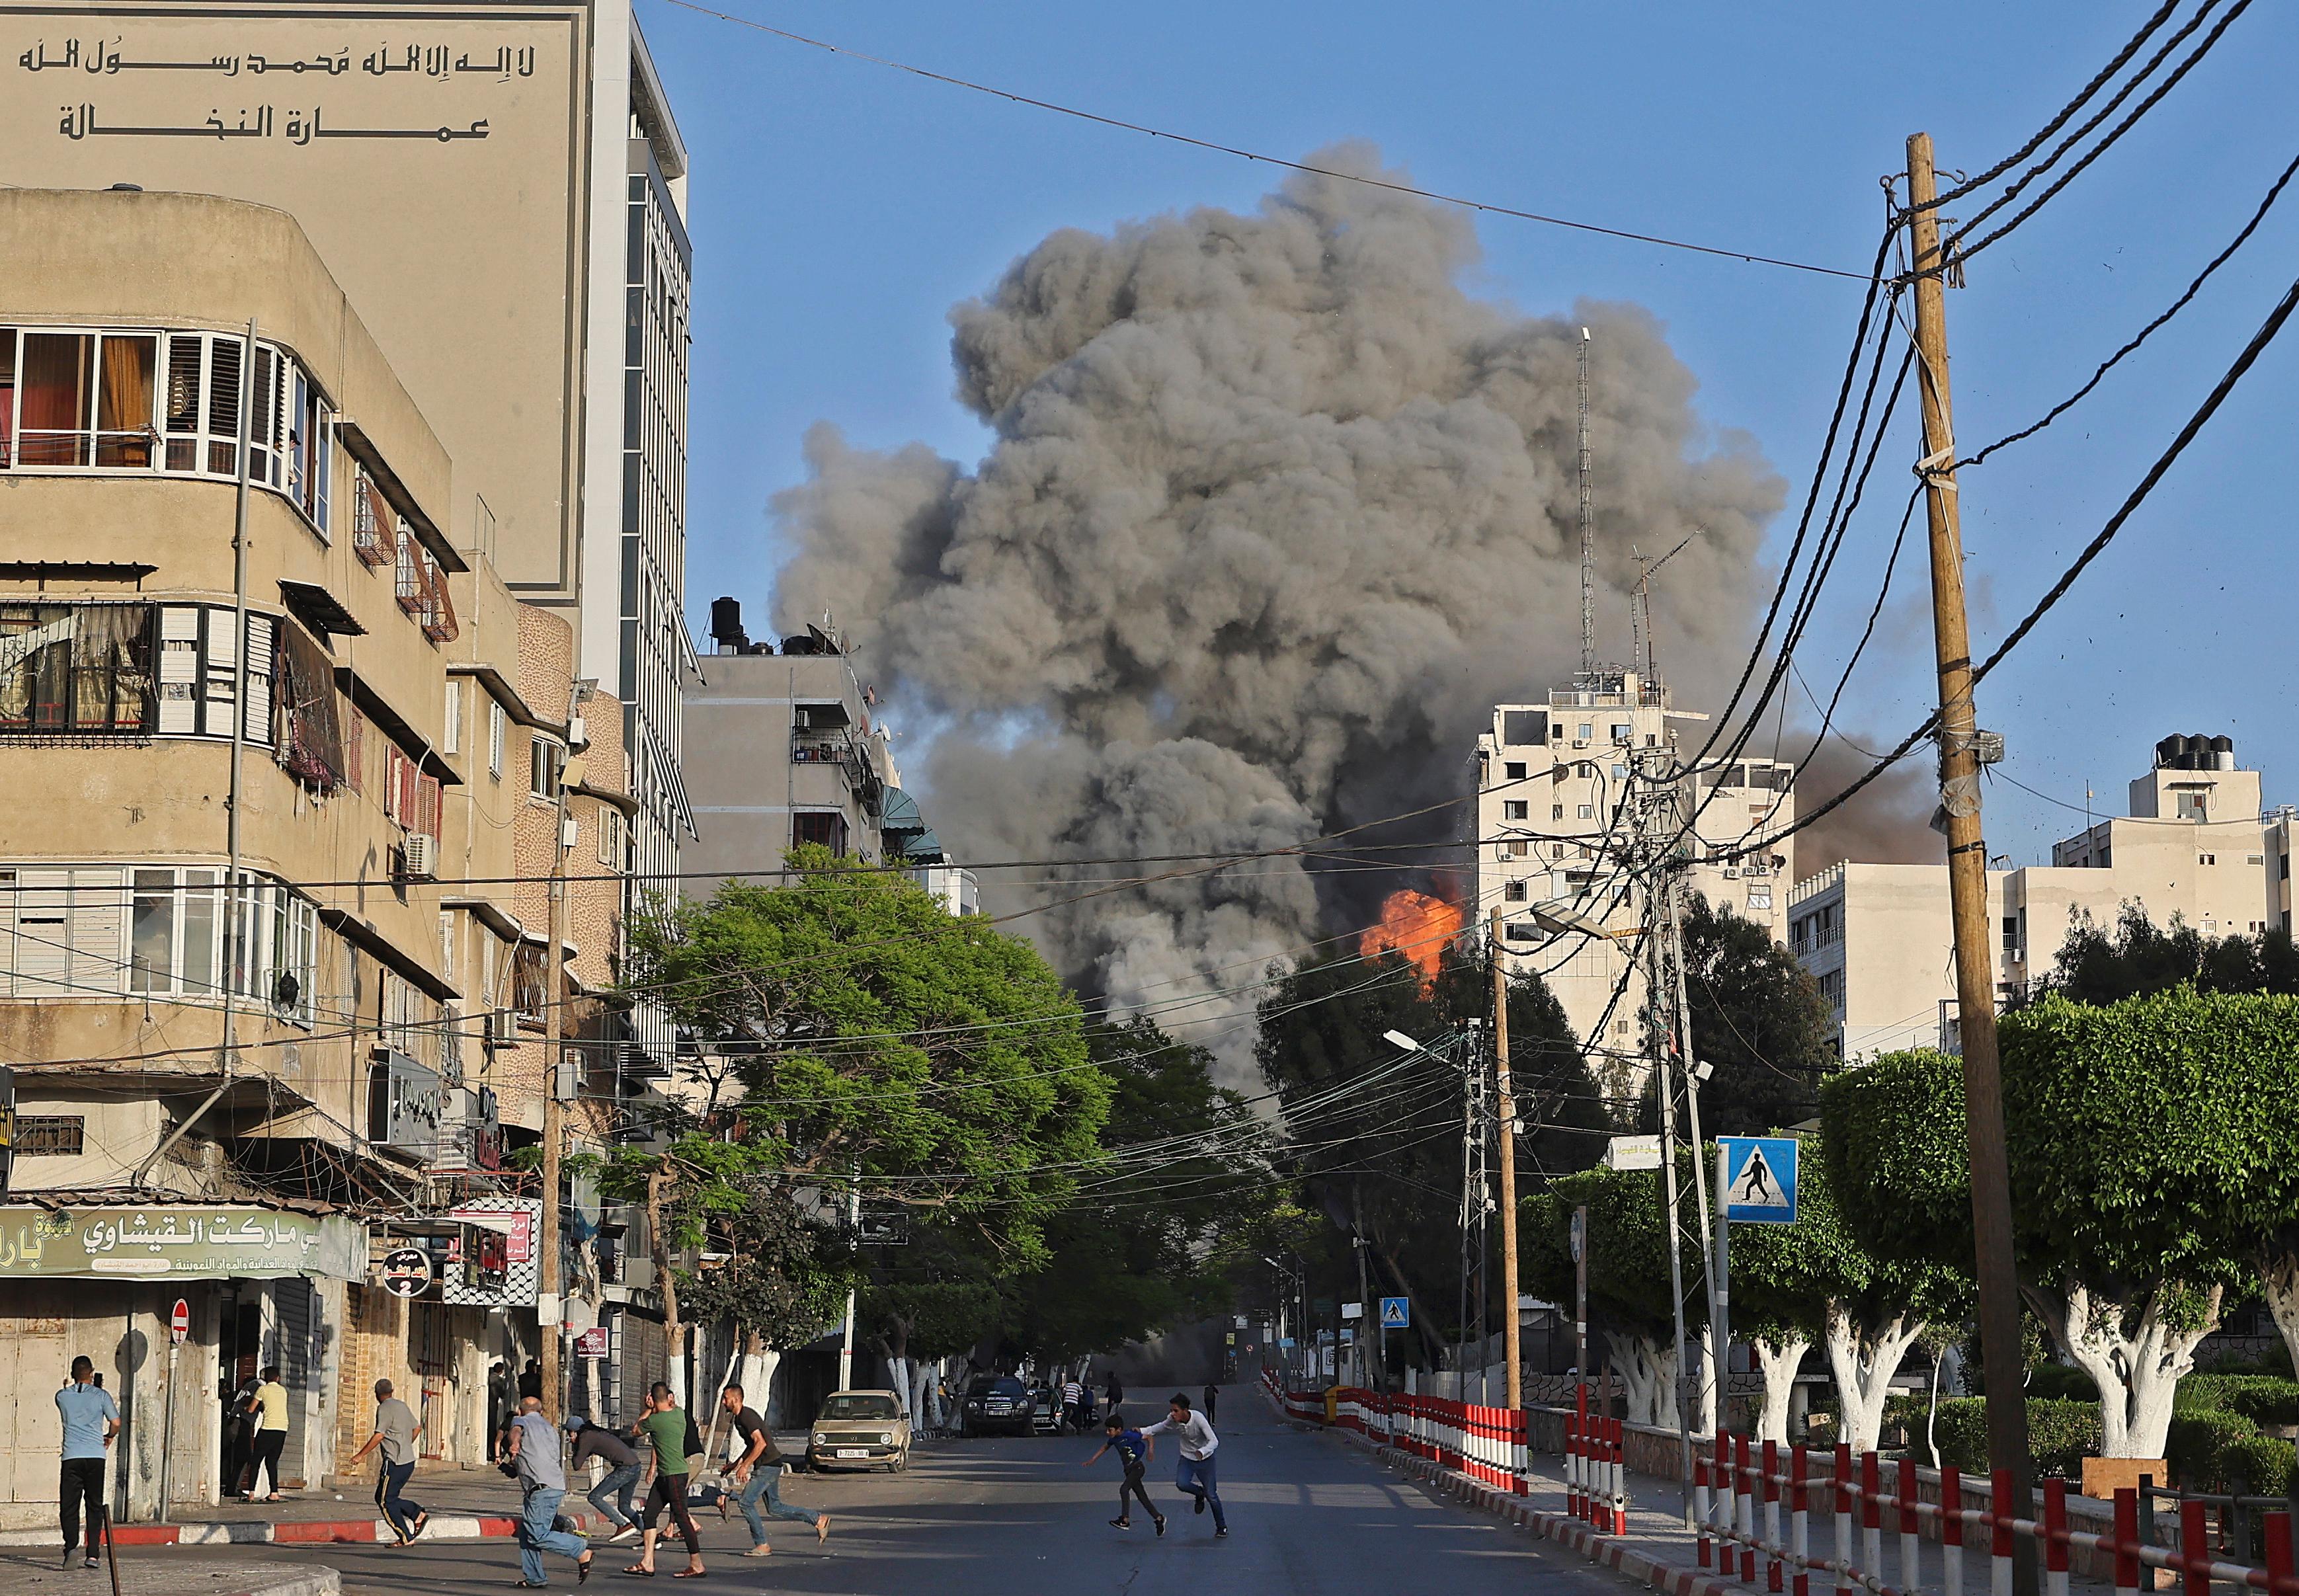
(1758, 1019)
(1629, 1289)
(2152, 1167)
(1138, 1252)
(871, 1038)
(2096, 966)
(1371, 1134)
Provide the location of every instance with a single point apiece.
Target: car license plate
(853, 1452)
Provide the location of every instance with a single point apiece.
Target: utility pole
(1366, 1321)
(554, 1111)
(1712, 1247)
(1511, 1330)
(1665, 1083)
(1967, 873)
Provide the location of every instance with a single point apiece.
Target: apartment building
(2196, 845)
(788, 750)
(1553, 777)
(276, 959)
(500, 186)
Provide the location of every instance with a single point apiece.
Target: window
(546, 760)
(611, 838)
(200, 414)
(2192, 807)
(157, 931)
(1624, 733)
(199, 672)
(2254, 859)
(1760, 900)
(51, 1136)
(528, 985)
(495, 739)
(2207, 859)
(825, 828)
(1586, 731)
(1832, 989)
(1515, 850)
(1620, 773)
(2283, 867)
(1557, 811)
(76, 669)
(1587, 811)
(1515, 809)
(310, 449)
(1514, 771)
(1514, 892)
(451, 731)
(79, 399)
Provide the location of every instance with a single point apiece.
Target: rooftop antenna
(1587, 546)
(1640, 628)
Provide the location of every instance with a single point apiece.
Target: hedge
(2196, 1442)
(2061, 1433)
(2263, 1399)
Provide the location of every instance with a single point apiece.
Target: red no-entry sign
(180, 1322)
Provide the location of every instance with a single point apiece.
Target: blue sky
(840, 209)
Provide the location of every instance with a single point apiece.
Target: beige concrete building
(1552, 778)
(499, 187)
(2197, 846)
(244, 1090)
(788, 750)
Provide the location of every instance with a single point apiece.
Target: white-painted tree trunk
(1780, 1357)
(898, 1377)
(921, 1389)
(1864, 1362)
(1705, 1409)
(2279, 1277)
(1647, 1371)
(2137, 1372)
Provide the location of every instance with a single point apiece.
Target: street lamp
(1399, 1039)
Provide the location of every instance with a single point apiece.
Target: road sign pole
(180, 1325)
(1723, 1300)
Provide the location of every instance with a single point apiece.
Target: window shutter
(42, 922)
(451, 734)
(218, 663)
(99, 931)
(180, 667)
(261, 635)
(426, 809)
(354, 746)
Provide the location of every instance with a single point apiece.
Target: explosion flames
(1416, 925)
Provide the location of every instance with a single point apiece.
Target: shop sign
(591, 1343)
(407, 1272)
(510, 1270)
(179, 1242)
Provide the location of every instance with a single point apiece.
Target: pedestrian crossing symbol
(1756, 1178)
(1396, 1313)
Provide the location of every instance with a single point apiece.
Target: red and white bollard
(1703, 1546)
(1773, 1581)
(1951, 1529)
(2195, 1549)
(2056, 1537)
(1999, 1533)
(1872, 1517)
(1843, 1485)
(1912, 1540)
(1744, 1509)
(1620, 1477)
(1799, 1521)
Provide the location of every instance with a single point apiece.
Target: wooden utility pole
(553, 1334)
(1511, 1330)
(1967, 875)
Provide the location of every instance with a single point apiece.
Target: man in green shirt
(664, 1427)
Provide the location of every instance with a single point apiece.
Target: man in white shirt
(1073, 1403)
(1193, 1476)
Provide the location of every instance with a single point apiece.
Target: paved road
(1310, 1516)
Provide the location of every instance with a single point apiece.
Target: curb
(324, 1531)
(1666, 1578)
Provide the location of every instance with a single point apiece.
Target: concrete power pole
(1511, 1329)
(554, 1113)
(1967, 872)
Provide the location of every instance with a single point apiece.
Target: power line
(1206, 144)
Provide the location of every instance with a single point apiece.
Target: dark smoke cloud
(1887, 822)
(1275, 513)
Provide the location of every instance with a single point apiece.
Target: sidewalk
(464, 1505)
(1659, 1552)
(23, 1575)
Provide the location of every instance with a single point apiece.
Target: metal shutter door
(299, 1366)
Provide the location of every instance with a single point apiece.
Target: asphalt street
(1307, 1513)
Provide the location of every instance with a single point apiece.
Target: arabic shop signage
(179, 1242)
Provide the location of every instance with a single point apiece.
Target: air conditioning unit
(1580, 742)
(1731, 873)
(419, 855)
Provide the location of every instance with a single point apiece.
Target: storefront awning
(173, 1240)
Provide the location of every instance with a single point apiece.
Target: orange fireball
(1414, 924)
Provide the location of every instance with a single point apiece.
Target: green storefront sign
(179, 1242)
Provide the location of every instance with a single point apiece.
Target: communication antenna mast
(1641, 604)
(1588, 546)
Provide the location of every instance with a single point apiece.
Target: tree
(1815, 1280)
(1628, 1274)
(875, 1041)
(1372, 1134)
(2152, 1167)
(1757, 1018)
(2096, 966)
(1138, 1252)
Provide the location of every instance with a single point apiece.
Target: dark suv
(998, 1405)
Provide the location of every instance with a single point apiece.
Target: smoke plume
(1275, 513)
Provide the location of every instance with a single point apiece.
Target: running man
(1193, 1476)
(91, 1418)
(1133, 1451)
(758, 1471)
(397, 1428)
(613, 1495)
(534, 1444)
(1072, 1403)
(664, 1426)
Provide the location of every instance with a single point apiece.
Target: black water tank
(2167, 754)
(727, 624)
(2223, 753)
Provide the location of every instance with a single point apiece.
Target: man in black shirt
(759, 1472)
(613, 1495)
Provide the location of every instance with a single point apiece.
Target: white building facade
(1552, 779)
(2197, 846)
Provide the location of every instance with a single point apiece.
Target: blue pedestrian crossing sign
(1757, 1178)
(1396, 1313)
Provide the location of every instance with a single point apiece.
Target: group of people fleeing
(1195, 1475)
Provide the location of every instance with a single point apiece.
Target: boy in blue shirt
(1133, 1451)
(90, 1420)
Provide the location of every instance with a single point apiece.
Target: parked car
(859, 1429)
(999, 1404)
(1046, 1418)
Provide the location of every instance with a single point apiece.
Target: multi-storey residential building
(1554, 817)
(275, 961)
(502, 189)
(787, 751)
(2197, 846)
